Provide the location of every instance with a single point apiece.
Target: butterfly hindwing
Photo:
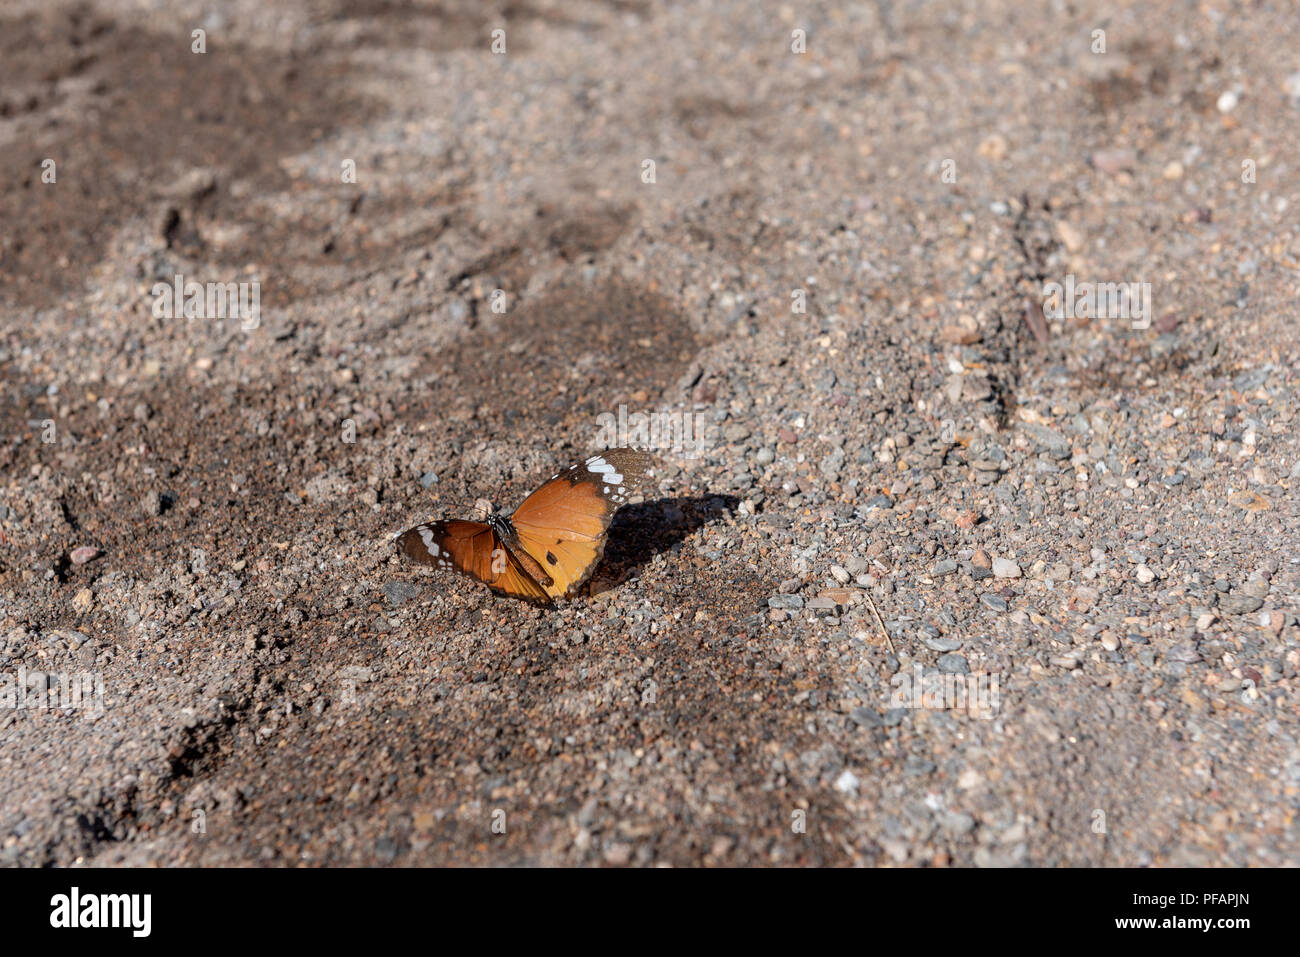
(472, 549)
(563, 524)
(517, 583)
(466, 547)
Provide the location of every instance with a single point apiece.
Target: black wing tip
(633, 462)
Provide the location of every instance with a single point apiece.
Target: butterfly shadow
(640, 532)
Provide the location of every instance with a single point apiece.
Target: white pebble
(1005, 568)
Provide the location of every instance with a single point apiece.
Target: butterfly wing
(563, 524)
(472, 549)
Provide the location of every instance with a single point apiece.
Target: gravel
(916, 475)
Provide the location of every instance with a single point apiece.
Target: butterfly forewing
(563, 524)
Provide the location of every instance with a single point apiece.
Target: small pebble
(1240, 604)
(953, 665)
(847, 782)
(996, 602)
(866, 718)
(1114, 161)
(399, 592)
(942, 644)
(1006, 568)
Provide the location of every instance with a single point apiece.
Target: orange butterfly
(552, 542)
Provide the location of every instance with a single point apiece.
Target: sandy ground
(838, 266)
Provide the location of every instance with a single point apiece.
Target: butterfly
(551, 543)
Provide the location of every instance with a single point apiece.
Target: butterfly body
(550, 545)
(505, 531)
